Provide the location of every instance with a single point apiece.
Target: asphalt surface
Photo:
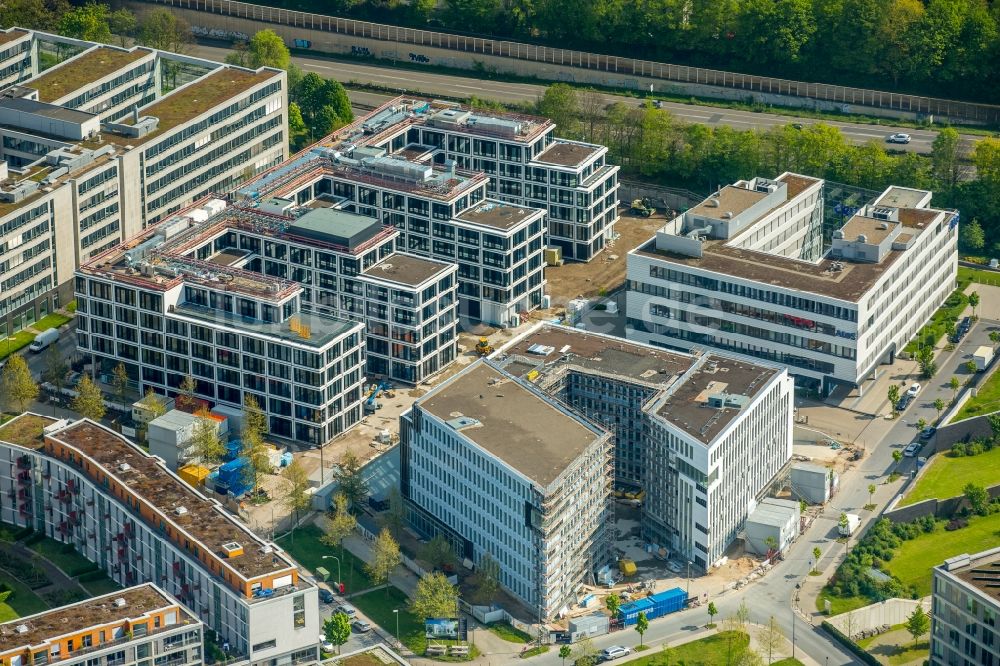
(413, 81)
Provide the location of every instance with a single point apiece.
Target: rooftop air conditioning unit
(120, 602)
(124, 467)
(181, 510)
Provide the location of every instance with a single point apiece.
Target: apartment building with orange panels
(134, 627)
(83, 484)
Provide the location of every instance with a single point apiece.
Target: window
(299, 611)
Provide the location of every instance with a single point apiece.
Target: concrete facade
(965, 608)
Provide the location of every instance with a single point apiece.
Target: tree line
(943, 47)
(651, 144)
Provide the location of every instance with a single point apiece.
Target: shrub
(956, 524)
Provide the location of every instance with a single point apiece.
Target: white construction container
(983, 356)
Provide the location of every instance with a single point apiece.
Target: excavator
(642, 208)
(483, 347)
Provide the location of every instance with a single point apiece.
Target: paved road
(405, 80)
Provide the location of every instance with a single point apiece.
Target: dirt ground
(607, 271)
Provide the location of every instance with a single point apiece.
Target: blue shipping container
(233, 449)
(629, 613)
(669, 601)
(233, 471)
(653, 606)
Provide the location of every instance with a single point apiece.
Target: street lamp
(334, 557)
(798, 586)
(395, 611)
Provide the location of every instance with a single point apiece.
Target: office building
(501, 469)
(965, 604)
(745, 271)
(440, 211)
(705, 436)
(526, 163)
(83, 484)
(126, 628)
(108, 140)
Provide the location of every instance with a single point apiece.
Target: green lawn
(896, 647)
(946, 475)
(709, 651)
(942, 318)
(305, 546)
(22, 602)
(53, 320)
(987, 400)
(839, 605)
(788, 661)
(913, 559)
(379, 604)
(18, 341)
(967, 275)
(65, 557)
(100, 586)
(507, 632)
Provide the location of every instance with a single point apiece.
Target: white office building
(501, 469)
(745, 272)
(965, 628)
(108, 140)
(121, 508)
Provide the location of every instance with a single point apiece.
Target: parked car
(912, 449)
(913, 390)
(927, 433)
(614, 652)
(348, 610)
(904, 402)
(965, 324)
(921, 461)
(325, 645)
(361, 626)
(325, 595)
(899, 137)
(43, 340)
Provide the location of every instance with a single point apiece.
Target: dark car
(965, 324)
(903, 403)
(927, 433)
(325, 595)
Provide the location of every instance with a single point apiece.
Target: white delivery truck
(43, 340)
(853, 522)
(983, 357)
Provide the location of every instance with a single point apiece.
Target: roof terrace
(407, 269)
(123, 608)
(26, 430)
(177, 503)
(79, 72)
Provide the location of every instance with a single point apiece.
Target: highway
(431, 84)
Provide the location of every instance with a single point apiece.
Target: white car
(899, 137)
(614, 652)
(326, 646)
(913, 390)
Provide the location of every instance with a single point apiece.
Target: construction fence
(915, 104)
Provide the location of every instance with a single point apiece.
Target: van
(348, 610)
(43, 340)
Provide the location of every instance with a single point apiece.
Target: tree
(971, 367)
(341, 525)
(438, 553)
(19, 387)
(254, 448)
(265, 49)
(641, 625)
(55, 368)
(434, 597)
(31, 14)
(925, 358)
(613, 602)
(993, 418)
(487, 579)
(298, 133)
(208, 448)
(119, 381)
(585, 653)
(185, 400)
(337, 629)
(324, 104)
(978, 498)
(712, 612)
(946, 160)
(939, 406)
(559, 103)
(893, 395)
(995, 338)
(843, 523)
(161, 29)
(921, 423)
(897, 456)
(742, 615)
(90, 22)
(817, 553)
(971, 236)
(394, 517)
(123, 23)
(974, 302)
(564, 652)
(154, 404)
(89, 401)
(954, 384)
(871, 492)
(351, 479)
(770, 637)
(297, 499)
(385, 558)
(771, 543)
(917, 623)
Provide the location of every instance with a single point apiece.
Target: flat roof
(26, 430)
(340, 227)
(869, 227)
(679, 384)
(566, 153)
(11, 35)
(981, 571)
(407, 269)
(310, 329)
(104, 610)
(77, 73)
(729, 199)
(497, 214)
(525, 430)
(25, 105)
(149, 478)
(195, 99)
(902, 197)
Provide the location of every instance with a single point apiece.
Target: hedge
(853, 647)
